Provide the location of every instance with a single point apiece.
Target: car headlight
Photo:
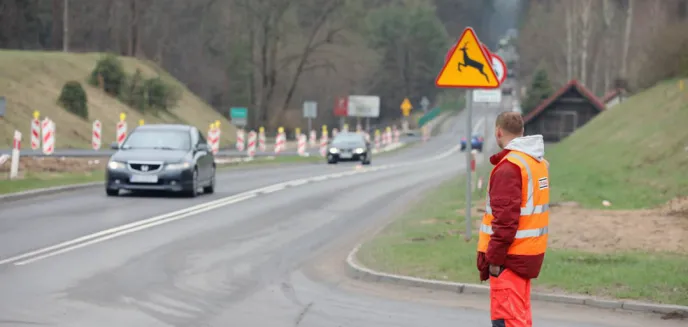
(334, 150)
(178, 166)
(115, 165)
(359, 150)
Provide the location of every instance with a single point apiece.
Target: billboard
(364, 106)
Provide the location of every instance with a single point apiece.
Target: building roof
(595, 101)
(612, 94)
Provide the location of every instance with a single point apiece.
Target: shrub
(73, 98)
(110, 69)
(160, 94)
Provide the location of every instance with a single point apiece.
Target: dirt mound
(56, 164)
(652, 230)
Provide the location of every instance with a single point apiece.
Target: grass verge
(428, 242)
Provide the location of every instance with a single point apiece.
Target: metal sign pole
(469, 126)
(309, 124)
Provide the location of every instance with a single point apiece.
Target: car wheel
(366, 162)
(193, 192)
(331, 162)
(111, 192)
(210, 189)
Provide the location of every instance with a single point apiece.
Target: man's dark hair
(511, 122)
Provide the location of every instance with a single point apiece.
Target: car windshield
(347, 138)
(158, 139)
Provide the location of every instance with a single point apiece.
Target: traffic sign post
(310, 111)
(468, 65)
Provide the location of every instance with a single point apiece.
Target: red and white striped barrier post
(261, 139)
(36, 131)
(16, 146)
(377, 139)
(313, 139)
(240, 141)
(388, 136)
(397, 135)
(48, 136)
(359, 128)
(96, 135)
(279, 140)
(212, 139)
(335, 132)
(323, 141)
(480, 183)
(474, 153)
(252, 138)
(426, 133)
(121, 129)
(218, 136)
(302, 145)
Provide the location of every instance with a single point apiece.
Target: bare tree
(586, 30)
(623, 72)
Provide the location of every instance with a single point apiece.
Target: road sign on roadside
(239, 116)
(406, 107)
(424, 103)
(488, 96)
(468, 65)
(499, 68)
(310, 109)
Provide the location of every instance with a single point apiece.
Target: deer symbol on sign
(468, 62)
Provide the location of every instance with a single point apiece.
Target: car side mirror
(202, 147)
(114, 146)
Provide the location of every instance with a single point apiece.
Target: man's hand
(495, 270)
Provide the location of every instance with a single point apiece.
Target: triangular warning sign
(468, 65)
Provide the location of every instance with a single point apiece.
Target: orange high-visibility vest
(531, 237)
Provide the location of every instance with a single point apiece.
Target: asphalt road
(265, 250)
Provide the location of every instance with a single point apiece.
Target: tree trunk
(586, 29)
(56, 33)
(608, 11)
(623, 72)
(569, 39)
(133, 29)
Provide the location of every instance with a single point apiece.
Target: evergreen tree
(540, 89)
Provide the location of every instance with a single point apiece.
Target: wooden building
(566, 110)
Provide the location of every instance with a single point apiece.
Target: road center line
(129, 228)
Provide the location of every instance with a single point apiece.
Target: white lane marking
(274, 189)
(136, 229)
(298, 182)
(114, 232)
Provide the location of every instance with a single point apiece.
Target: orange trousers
(510, 300)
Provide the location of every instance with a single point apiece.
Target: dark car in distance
(476, 143)
(162, 157)
(348, 146)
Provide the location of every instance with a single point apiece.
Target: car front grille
(145, 167)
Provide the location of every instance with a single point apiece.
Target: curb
(47, 191)
(357, 271)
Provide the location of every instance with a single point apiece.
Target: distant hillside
(33, 80)
(634, 155)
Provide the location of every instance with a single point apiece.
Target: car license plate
(345, 155)
(144, 179)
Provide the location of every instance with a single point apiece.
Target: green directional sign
(239, 115)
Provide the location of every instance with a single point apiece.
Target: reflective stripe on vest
(531, 237)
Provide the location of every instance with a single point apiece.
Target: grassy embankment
(633, 156)
(33, 80)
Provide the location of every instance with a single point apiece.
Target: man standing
(513, 234)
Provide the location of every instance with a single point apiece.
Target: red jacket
(505, 200)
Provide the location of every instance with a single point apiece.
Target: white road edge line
(121, 230)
